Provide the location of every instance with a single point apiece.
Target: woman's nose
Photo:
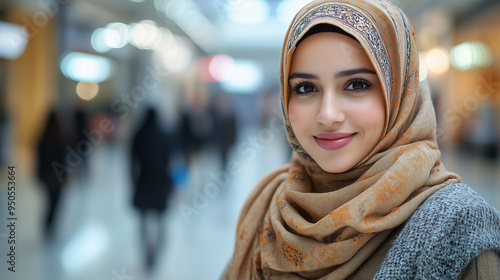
(331, 111)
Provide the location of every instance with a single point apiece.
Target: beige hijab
(302, 222)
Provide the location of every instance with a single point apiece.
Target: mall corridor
(98, 231)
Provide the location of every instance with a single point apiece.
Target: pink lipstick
(333, 141)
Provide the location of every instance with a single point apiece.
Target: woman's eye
(358, 85)
(304, 88)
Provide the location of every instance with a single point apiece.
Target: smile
(333, 141)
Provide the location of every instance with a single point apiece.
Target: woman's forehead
(329, 49)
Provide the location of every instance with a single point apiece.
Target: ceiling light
(437, 60)
(287, 9)
(114, 36)
(246, 78)
(14, 40)
(145, 35)
(187, 15)
(176, 57)
(249, 12)
(118, 35)
(86, 67)
(470, 55)
(97, 40)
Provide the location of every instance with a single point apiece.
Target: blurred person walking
(196, 128)
(81, 125)
(225, 132)
(151, 150)
(51, 156)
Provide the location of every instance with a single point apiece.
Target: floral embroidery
(292, 254)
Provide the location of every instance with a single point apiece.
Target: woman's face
(336, 104)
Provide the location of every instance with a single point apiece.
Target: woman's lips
(333, 141)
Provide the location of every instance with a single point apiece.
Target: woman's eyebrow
(340, 74)
(302, 76)
(353, 72)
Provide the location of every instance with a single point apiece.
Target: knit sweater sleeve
(444, 236)
(485, 266)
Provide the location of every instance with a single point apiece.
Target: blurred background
(136, 128)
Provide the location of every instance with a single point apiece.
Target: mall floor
(98, 234)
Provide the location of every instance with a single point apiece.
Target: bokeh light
(286, 9)
(246, 78)
(118, 35)
(437, 60)
(174, 54)
(114, 36)
(249, 12)
(85, 248)
(87, 91)
(14, 40)
(187, 15)
(470, 55)
(97, 40)
(145, 35)
(86, 67)
(221, 67)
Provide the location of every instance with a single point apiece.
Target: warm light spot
(175, 55)
(145, 35)
(86, 90)
(437, 60)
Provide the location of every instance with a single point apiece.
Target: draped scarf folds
(302, 222)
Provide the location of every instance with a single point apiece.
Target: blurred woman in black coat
(50, 167)
(152, 181)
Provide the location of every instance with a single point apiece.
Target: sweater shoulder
(455, 202)
(449, 230)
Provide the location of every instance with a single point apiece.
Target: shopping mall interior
(94, 73)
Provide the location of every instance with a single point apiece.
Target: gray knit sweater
(449, 230)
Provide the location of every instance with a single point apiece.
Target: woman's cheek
(370, 112)
(297, 113)
(299, 117)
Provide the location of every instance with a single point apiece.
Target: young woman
(365, 195)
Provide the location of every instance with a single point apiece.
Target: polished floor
(98, 236)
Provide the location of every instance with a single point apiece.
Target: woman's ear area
(285, 80)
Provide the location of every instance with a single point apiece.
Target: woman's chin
(335, 168)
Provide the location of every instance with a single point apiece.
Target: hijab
(303, 222)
